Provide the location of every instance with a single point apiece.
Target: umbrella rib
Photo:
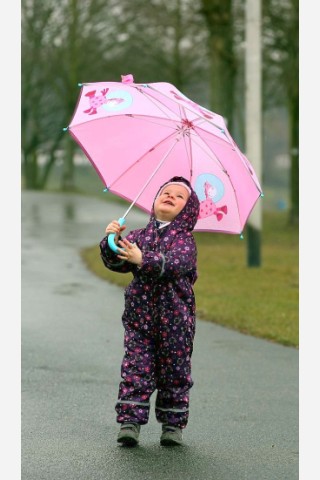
(148, 119)
(225, 171)
(217, 158)
(141, 158)
(182, 112)
(185, 107)
(213, 156)
(152, 175)
(156, 103)
(234, 147)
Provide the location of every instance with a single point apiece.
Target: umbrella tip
(106, 189)
(65, 129)
(127, 78)
(80, 84)
(241, 237)
(261, 194)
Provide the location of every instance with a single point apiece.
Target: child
(159, 314)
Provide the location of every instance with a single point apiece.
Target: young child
(159, 314)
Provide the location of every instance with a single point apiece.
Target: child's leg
(138, 374)
(172, 402)
(174, 374)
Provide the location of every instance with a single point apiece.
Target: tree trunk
(30, 170)
(51, 160)
(67, 181)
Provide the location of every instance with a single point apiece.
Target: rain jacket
(159, 318)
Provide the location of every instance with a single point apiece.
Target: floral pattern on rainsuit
(158, 318)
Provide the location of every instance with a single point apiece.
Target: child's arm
(179, 261)
(112, 260)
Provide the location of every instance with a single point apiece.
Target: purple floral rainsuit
(159, 318)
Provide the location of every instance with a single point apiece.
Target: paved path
(244, 404)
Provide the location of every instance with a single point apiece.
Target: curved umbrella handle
(111, 237)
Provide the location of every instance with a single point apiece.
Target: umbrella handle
(111, 237)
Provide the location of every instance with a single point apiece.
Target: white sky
(309, 241)
(10, 360)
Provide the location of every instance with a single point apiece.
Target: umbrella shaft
(152, 175)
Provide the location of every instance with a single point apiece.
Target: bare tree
(222, 60)
(281, 57)
(162, 41)
(35, 100)
(62, 43)
(75, 41)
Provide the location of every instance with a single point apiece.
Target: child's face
(170, 202)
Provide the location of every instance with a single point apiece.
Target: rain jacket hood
(187, 218)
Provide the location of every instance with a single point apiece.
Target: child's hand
(130, 252)
(114, 227)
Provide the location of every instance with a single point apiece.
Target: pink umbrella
(137, 136)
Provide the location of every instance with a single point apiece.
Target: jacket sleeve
(179, 260)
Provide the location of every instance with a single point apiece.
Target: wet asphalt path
(244, 404)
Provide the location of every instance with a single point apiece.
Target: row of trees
(198, 45)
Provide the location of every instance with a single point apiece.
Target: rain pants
(158, 318)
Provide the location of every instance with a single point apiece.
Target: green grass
(260, 301)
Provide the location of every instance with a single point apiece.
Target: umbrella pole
(151, 177)
(121, 220)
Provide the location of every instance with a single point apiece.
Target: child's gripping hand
(114, 227)
(130, 252)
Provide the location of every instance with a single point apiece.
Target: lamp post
(253, 120)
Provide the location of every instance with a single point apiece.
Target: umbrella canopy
(137, 136)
